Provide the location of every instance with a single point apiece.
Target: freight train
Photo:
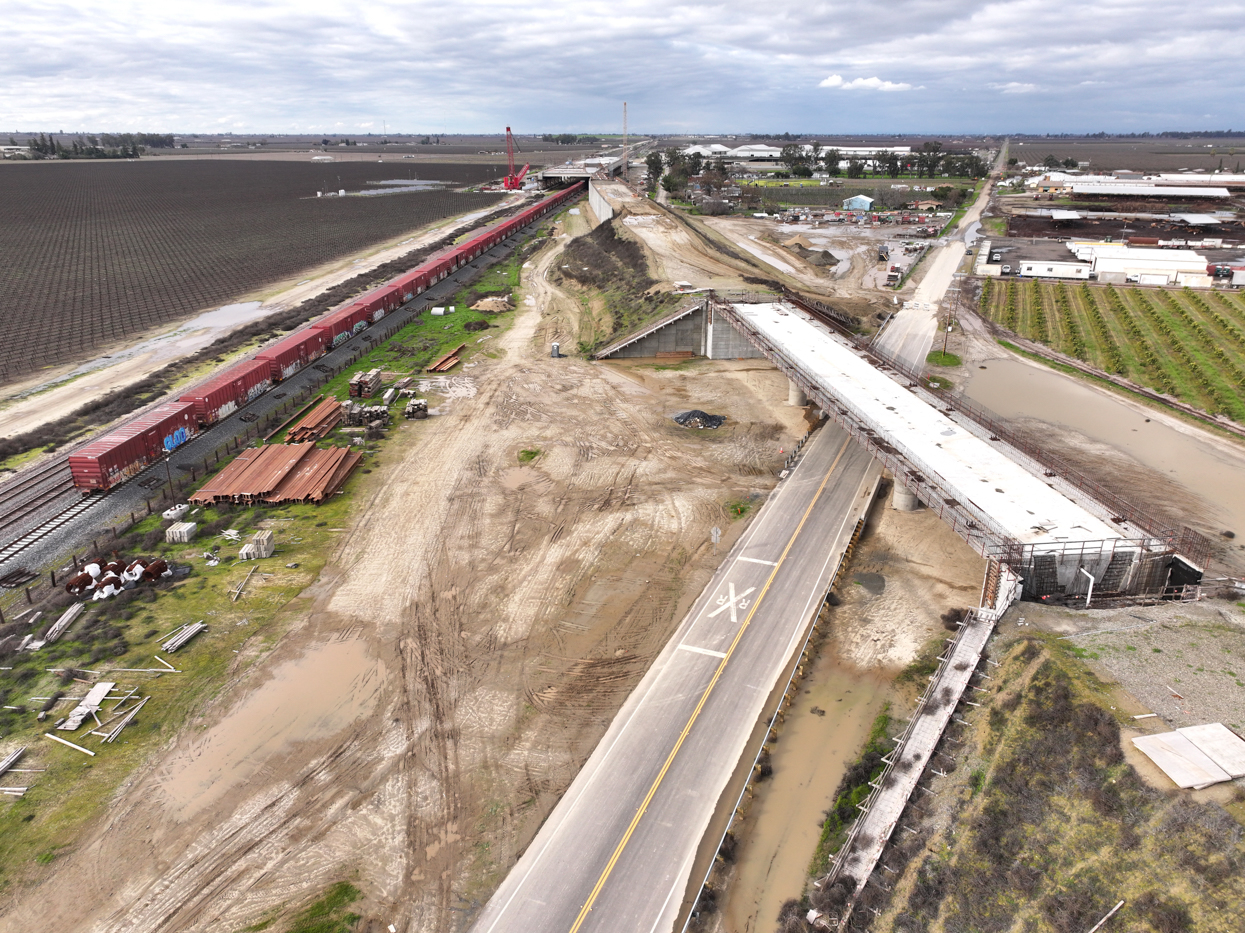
(131, 448)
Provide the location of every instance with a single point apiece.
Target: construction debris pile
(281, 473)
(699, 419)
(365, 385)
(318, 422)
(261, 545)
(101, 581)
(416, 408)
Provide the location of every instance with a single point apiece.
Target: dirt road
(440, 686)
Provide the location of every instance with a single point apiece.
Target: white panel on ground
(1220, 744)
(1181, 760)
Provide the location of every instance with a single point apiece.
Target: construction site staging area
(497, 674)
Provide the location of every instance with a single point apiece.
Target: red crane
(513, 182)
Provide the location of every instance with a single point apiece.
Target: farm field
(95, 252)
(1142, 155)
(1187, 344)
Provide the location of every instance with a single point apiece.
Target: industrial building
(1124, 184)
(1081, 260)
(858, 202)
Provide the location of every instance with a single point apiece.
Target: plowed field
(94, 252)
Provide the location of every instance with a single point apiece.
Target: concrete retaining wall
(599, 205)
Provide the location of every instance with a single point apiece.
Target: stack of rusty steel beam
(317, 422)
(281, 473)
(447, 362)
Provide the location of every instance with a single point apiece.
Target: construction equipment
(513, 182)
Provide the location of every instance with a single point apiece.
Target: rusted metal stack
(281, 473)
(317, 423)
(449, 361)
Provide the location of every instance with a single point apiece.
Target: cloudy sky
(730, 66)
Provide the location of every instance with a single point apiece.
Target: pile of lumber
(449, 361)
(317, 422)
(281, 473)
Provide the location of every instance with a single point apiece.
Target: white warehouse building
(1118, 265)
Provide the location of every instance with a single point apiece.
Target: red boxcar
(288, 356)
(130, 448)
(344, 324)
(236, 386)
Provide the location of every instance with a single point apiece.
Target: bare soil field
(95, 252)
(1141, 155)
(440, 685)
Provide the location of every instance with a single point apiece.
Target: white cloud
(870, 84)
(683, 65)
(1015, 87)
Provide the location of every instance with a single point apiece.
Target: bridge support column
(903, 499)
(795, 395)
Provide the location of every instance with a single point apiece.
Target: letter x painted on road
(734, 603)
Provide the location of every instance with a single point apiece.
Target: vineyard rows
(95, 252)
(1184, 343)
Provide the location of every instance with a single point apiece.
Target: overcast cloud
(472, 66)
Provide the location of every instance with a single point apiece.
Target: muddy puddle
(1017, 389)
(824, 730)
(309, 697)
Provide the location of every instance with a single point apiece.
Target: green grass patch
(738, 508)
(527, 456)
(942, 358)
(851, 792)
(329, 914)
(124, 632)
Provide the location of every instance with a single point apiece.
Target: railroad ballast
(131, 448)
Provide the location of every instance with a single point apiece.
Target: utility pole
(625, 150)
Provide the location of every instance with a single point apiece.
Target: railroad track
(53, 524)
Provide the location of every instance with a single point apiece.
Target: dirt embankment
(487, 614)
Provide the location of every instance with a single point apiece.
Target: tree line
(104, 146)
(927, 162)
(569, 139)
(673, 169)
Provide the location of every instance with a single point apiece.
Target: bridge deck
(1023, 505)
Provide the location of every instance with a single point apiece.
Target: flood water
(780, 834)
(310, 697)
(1213, 471)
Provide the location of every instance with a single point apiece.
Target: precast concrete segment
(616, 853)
(1021, 504)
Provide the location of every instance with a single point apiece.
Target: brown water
(1209, 468)
(310, 697)
(780, 834)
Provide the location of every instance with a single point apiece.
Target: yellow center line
(704, 697)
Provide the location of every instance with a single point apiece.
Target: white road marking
(712, 654)
(733, 604)
(757, 560)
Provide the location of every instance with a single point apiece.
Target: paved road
(911, 331)
(617, 851)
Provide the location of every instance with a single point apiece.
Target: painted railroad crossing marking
(734, 604)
